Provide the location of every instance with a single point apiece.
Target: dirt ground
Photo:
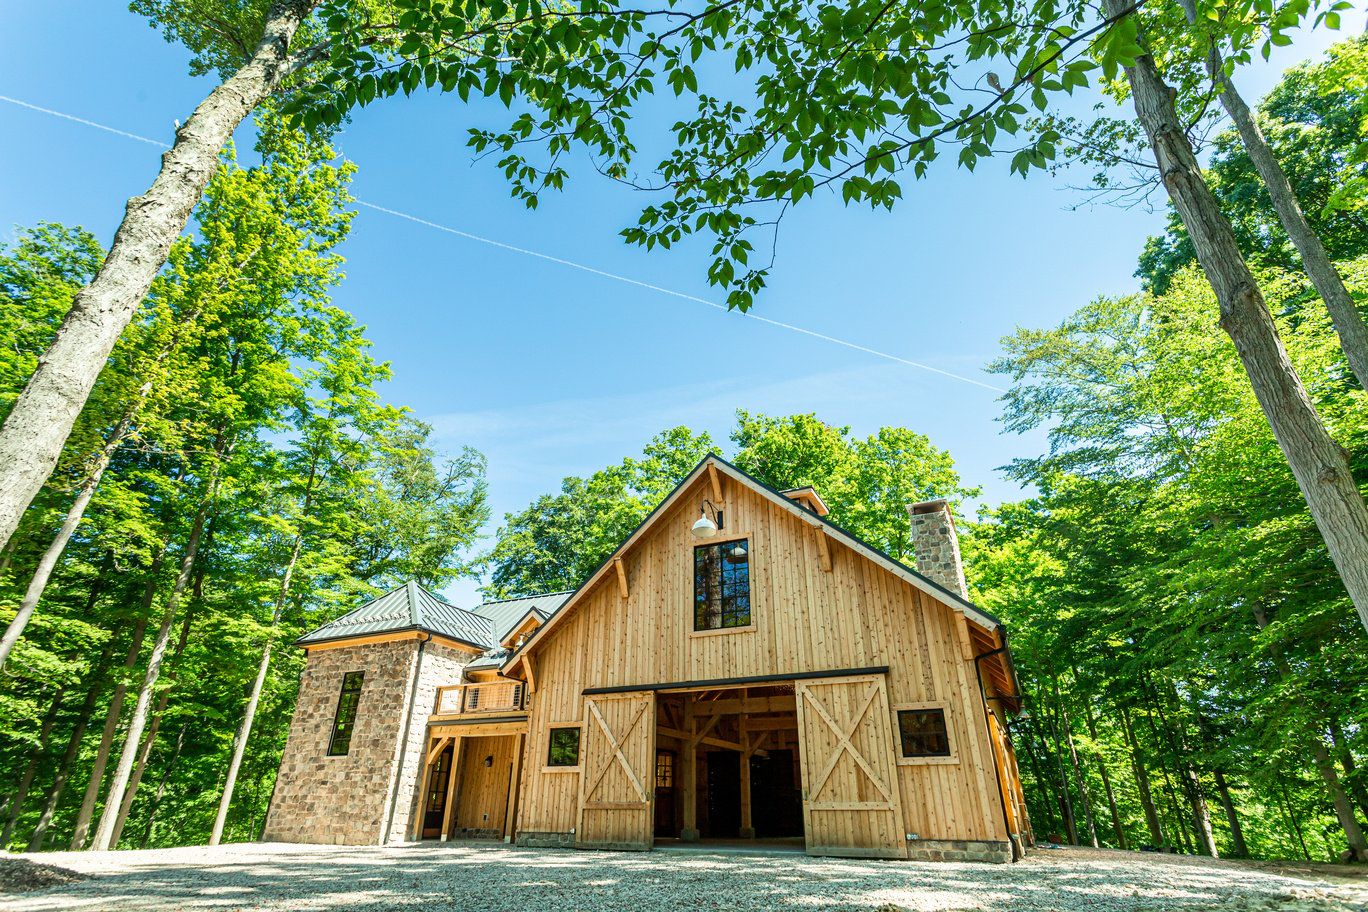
(496, 878)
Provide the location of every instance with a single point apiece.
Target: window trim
(750, 583)
(579, 749)
(337, 713)
(943, 705)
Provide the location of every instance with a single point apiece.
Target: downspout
(403, 745)
(997, 770)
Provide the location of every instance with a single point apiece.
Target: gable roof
(971, 611)
(507, 614)
(409, 607)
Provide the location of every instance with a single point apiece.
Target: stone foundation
(476, 833)
(546, 840)
(959, 850)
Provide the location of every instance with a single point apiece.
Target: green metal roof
(409, 607)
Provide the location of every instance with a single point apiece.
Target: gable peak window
(344, 722)
(722, 585)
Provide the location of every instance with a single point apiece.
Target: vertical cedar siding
(803, 619)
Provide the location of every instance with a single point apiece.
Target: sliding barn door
(850, 784)
(617, 772)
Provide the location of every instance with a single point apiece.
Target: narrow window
(345, 720)
(722, 585)
(923, 733)
(564, 750)
(664, 770)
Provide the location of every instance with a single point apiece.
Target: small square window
(564, 749)
(923, 733)
(344, 722)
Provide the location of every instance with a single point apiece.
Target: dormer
(807, 498)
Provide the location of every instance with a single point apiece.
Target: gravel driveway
(465, 877)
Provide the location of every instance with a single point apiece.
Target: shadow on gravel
(500, 879)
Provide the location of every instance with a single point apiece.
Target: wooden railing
(495, 697)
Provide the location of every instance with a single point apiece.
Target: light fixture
(737, 553)
(489, 761)
(704, 527)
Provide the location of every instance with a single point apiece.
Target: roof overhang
(408, 633)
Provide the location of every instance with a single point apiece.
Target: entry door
(617, 772)
(850, 784)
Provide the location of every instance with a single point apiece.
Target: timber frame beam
(736, 682)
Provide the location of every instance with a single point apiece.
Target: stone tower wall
(346, 800)
(442, 666)
(342, 800)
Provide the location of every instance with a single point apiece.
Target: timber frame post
(453, 780)
(689, 832)
(747, 820)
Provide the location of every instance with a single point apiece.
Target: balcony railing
(496, 697)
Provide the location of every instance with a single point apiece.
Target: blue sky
(553, 371)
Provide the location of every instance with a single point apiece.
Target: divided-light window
(664, 780)
(345, 720)
(922, 732)
(722, 585)
(564, 749)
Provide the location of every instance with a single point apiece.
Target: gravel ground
(464, 877)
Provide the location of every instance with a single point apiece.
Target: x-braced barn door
(850, 784)
(617, 765)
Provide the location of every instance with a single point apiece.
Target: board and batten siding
(805, 619)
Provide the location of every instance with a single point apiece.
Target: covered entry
(470, 781)
(851, 805)
(727, 764)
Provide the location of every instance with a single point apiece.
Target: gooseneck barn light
(705, 527)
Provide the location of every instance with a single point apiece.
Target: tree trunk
(249, 714)
(151, 737)
(1043, 782)
(105, 831)
(1348, 322)
(1292, 818)
(34, 432)
(73, 748)
(1121, 842)
(1346, 761)
(36, 758)
(1232, 818)
(1156, 828)
(1065, 806)
(1344, 810)
(1319, 464)
(161, 786)
(1078, 778)
(48, 562)
(112, 717)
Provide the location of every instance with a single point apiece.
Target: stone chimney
(936, 544)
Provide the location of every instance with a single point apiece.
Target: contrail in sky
(558, 260)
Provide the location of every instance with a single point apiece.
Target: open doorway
(727, 765)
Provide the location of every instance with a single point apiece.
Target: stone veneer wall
(936, 545)
(342, 800)
(346, 800)
(442, 665)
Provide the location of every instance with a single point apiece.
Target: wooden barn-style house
(739, 668)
